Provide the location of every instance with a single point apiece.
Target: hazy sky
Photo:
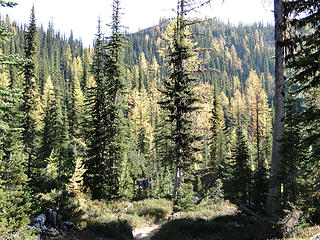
(82, 15)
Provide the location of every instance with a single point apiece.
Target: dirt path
(145, 233)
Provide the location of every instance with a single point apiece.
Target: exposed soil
(146, 232)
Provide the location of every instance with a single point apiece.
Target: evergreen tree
(52, 122)
(30, 94)
(240, 183)
(96, 133)
(302, 45)
(303, 42)
(108, 124)
(117, 119)
(55, 149)
(15, 200)
(180, 97)
(217, 131)
(294, 153)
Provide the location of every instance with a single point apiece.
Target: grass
(208, 210)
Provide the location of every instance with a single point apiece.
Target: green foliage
(155, 209)
(15, 196)
(240, 182)
(108, 127)
(186, 196)
(179, 95)
(216, 193)
(216, 142)
(96, 135)
(302, 42)
(15, 205)
(300, 145)
(30, 94)
(15, 200)
(161, 186)
(259, 187)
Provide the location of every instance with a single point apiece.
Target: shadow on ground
(228, 227)
(120, 230)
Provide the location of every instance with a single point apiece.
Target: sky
(82, 15)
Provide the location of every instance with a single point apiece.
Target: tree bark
(273, 202)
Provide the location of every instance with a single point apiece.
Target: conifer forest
(196, 128)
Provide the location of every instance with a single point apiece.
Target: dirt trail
(146, 232)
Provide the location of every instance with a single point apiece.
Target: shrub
(156, 209)
(15, 209)
(186, 196)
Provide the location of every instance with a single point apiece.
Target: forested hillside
(180, 116)
(228, 52)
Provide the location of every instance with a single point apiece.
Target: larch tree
(257, 110)
(141, 128)
(76, 99)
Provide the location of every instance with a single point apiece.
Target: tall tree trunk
(274, 193)
(177, 181)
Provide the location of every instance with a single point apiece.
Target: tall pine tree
(180, 96)
(117, 122)
(96, 131)
(15, 201)
(30, 93)
(109, 121)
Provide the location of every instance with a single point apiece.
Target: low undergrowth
(117, 219)
(207, 220)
